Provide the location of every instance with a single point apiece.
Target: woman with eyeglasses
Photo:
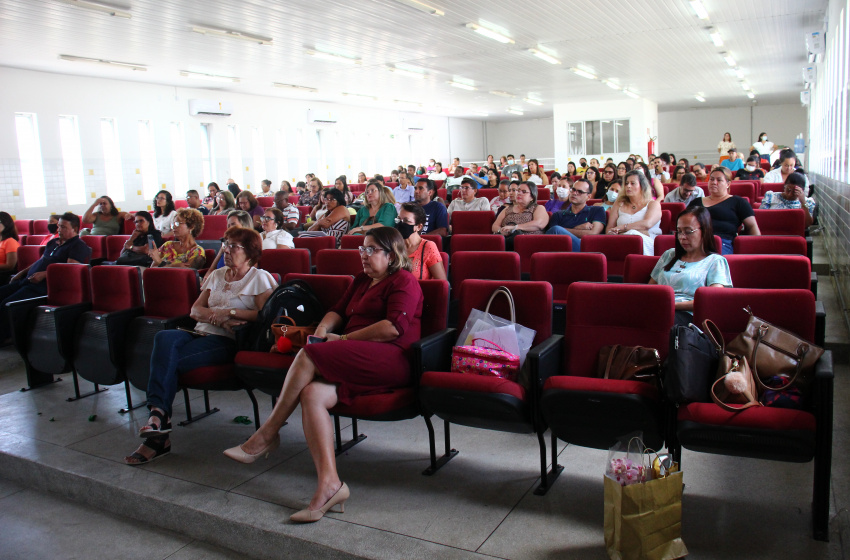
(274, 236)
(367, 334)
(523, 217)
(210, 201)
(377, 212)
(335, 221)
(635, 212)
(230, 297)
(135, 251)
(182, 251)
(503, 198)
(592, 176)
(728, 212)
(224, 203)
(164, 214)
(609, 175)
(693, 263)
(425, 259)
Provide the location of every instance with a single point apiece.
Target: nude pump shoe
(237, 454)
(313, 515)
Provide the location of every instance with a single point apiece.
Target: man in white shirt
(404, 191)
(685, 193)
(657, 171)
(453, 183)
(467, 200)
(291, 215)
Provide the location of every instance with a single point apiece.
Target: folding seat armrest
(18, 313)
(116, 325)
(820, 324)
(184, 321)
(546, 359)
(824, 370)
(814, 284)
(66, 318)
(434, 352)
(809, 247)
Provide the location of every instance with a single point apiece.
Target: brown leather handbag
(298, 335)
(772, 351)
(629, 363)
(728, 363)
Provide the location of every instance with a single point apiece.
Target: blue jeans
(176, 352)
(727, 246)
(16, 291)
(558, 230)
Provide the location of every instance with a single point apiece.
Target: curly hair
(193, 219)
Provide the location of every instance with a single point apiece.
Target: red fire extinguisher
(650, 146)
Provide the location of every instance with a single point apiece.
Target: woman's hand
(330, 337)
(155, 255)
(613, 231)
(507, 230)
(229, 324)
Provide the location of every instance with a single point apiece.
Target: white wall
(377, 140)
(642, 114)
(694, 133)
(532, 138)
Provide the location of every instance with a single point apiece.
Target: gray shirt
(508, 169)
(675, 196)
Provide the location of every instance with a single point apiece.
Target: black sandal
(161, 446)
(150, 429)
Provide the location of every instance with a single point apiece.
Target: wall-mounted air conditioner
(321, 117)
(413, 124)
(209, 107)
(815, 42)
(805, 98)
(810, 74)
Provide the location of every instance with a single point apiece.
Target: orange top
(8, 246)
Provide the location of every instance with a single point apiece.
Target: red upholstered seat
(68, 284)
(675, 209)
(28, 254)
(761, 418)
(781, 222)
(527, 246)
(114, 246)
(487, 193)
(214, 227)
(769, 244)
(770, 271)
(562, 269)
(477, 242)
(638, 268)
(436, 239)
(475, 383)
(472, 222)
(115, 288)
(575, 383)
(379, 406)
(350, 242)
(209, 376)
(744, 190)
(489, 265)
(615, 248)
(284, 261)
(265, 360)
(339, 261)
(23, 227)
(39, 227)
(314, 245)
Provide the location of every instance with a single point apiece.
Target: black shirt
(747, 176)
(727, 216)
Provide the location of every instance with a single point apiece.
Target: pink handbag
(479, 360)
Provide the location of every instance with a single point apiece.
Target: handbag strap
(611, 355)
(726, 406)
(490, 341)
(802, 350)
(715, 335)
(507, 294)
(422, 259)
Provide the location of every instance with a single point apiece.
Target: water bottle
(799, 144)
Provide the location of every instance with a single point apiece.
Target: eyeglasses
(520, 191)
(467, 188)
(607, 171)
(369, 251)
(400, 221)
(232, 246)
(176, 223)
(266, 219)
(575, 190)
(687, 232)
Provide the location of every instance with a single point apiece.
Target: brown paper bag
(644, 521)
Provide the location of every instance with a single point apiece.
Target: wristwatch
(233, 313)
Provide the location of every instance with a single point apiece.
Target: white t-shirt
(441, 176)
(535, 179)
(277, 237)
(165, 223)
(764, 148)
(234, 295)
(478, 204)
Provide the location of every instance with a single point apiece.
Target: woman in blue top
(694, 263)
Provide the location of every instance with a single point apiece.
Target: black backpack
(294, 299)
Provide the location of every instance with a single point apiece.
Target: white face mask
(563, 192)
(510, 162)
(764, 138)
(612, 195)
(751, 168)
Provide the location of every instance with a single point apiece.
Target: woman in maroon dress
(378, 317)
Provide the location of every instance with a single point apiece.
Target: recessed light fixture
(502, 93)
(461, 85)
(699, 9)
(631, 94)
(489, 33)
(700, 98)
(544, 56)
(611, 84)
(583, 73)
(114, 63)
(230, 34)
(515, 112)
(730, 61)
(751, 95)
(532, 101)
(404, 102)
(208, 77)
(349, 94)
(333, 57)
(716, 39)
(98, 7)
(295, 87)
(408, 73)
(430, 10)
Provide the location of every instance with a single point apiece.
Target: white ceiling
(657, 48)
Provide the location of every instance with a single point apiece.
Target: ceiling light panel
(208, 77)
(502, 93)
(230, 34)
(532, 101)
(333, 57)
(461, 85)
(583, 73)
(489, 33)
(104, 62)
(700, 98)
(422, 7)
(99, 7)
(515, 112)
(699, 9)
(295, 87)
(544, 56)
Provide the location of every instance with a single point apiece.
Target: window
(575, 138)
(178, 156)
(148, 155)
(29, 151)
(112, 159)
(207, 153)
(234, 145)
(72, 159)
(623, 135)
(259, 157)
(302, 154)
(593, 137)
(609, 144)
(282, 156)
(598, 137)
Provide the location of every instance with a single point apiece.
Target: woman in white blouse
(274, 236)
(164, 214)
(763, 147)
(724, 145)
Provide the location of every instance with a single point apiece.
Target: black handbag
(691, 365)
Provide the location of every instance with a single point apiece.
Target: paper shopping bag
(644, 521)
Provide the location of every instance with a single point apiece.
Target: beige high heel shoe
(239, 455)
(313, 515)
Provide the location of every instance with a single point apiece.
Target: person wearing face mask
(752, 171)
(512, 167)
(52, 229)
(467, 201)
(577, 219)
(610, 196)
(763, 147)
(424, 254)
(686, 192)
(562, 193)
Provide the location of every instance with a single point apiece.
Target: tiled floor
(66, 494)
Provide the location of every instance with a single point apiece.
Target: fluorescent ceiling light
(409, 73)
(489, 33)
(739, 73)
(751, 95)
(403, 102)
(611, 84)
(430, 10)
(730, 61)
(461, 85)
(583, 74)
(532, 101)
(631, 94)
(349, 94)
(700, 98)
(98, 7)
(515, 112)
(716, 39)
(699, 9)
(293, 86)
(333, 57)
(502, 93)
(114, 63)
(544, 56)
(208, 77)
(204, 30)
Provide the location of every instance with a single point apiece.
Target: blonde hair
(645, 189)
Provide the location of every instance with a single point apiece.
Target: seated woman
(274, 236)
(135, 251)
(224, 203)
(377, 212)
(523, 217)
(361, 178)
(319, 210)
(235, 218)
(793, 196)
(503, 197)
(693, 263)
(610, 196)
(426, 261)
(728, 211)
(9, 248)
(752, 170)
(678, 173)
(182, 252)
(562, 195)
(655, 184)
(378, 318)
(787, 164)
(247, 202)
(341, 184)
(230, 297)
(335, 221)
(164, 214)
(107, 220)
(286, 186)
(535, 174)
(209, 201)
(635, 213)
(52, 229)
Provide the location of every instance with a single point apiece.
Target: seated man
(657, 171)
(699, 173)
(291, 215)
(511, 167)
(734, 162)
(578, 219)
(582, 166)
(404, 191)
(453, 183)
(32, 281)
(687, 190)
(194, 201)
(436, 216)
(467, 200)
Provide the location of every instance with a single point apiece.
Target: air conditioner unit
(321, 117)
(805, 98)
(810, 74)
(413, 124)
(209, 107)
(815, 42)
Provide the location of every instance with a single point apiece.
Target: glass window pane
(623, 136)
(593, 137)
(259, 157)
(608, 139)
(29, 152)
(282, 156)
(207, 154)
(234, 145)
(575, 138)
(72, 159)
(112, 159)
